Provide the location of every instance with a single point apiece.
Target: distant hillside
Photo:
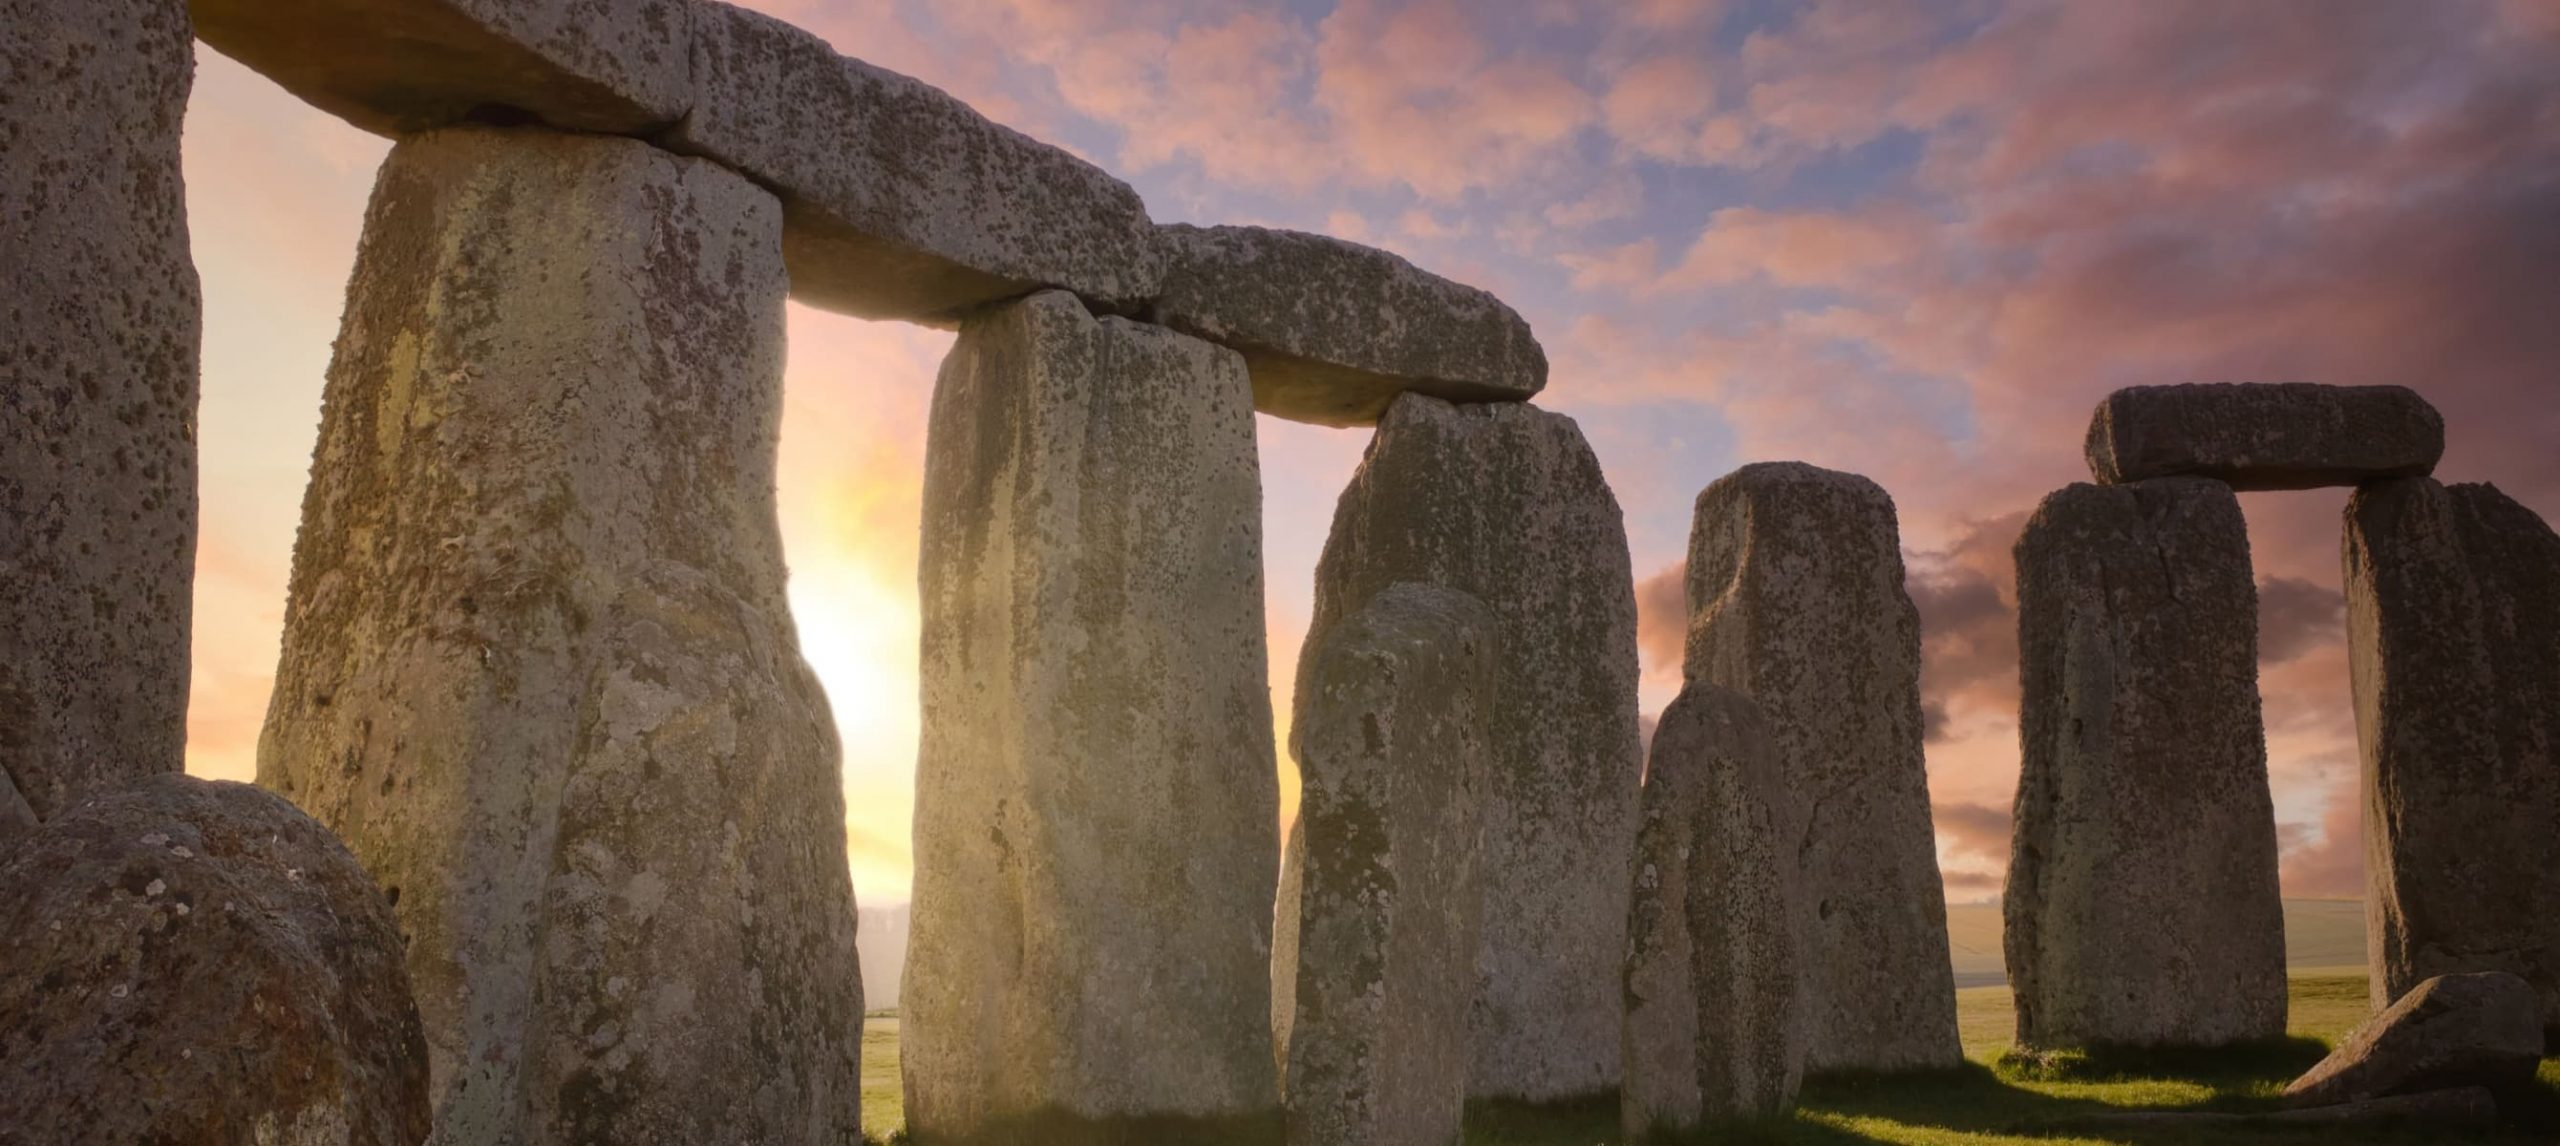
(2325, 934)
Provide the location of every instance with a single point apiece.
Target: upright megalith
(2142, 904)
(538, 666)
(196, 961)
(1506, 503)
(2453, 600)
(1715, 1007)
(1796, 599)
(1097, 804)
(1380, 896)
(2260, 436)
(99, 325)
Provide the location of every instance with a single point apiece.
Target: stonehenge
(2142, 907)
(2480, 1029)
(1505, 502)
(1381, 892)
(187, 960)
(1715, 1025)
(99, 328)
(1795, 588)
(538, 669)
(2453, 597)
(1097, 799)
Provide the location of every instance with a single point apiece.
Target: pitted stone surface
(902, 201)
(2450, 1032)
(1373, 962)
(100, 319)
(538, 668)
(1097, 803)
(2262, 436)
(1715, 1017)
(2142, 906)
(193, 961)
(2453, 600)
(1506, 503)
(400, 66)
(1796, 599)
(1333, 331)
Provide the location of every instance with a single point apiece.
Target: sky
(1914, 241)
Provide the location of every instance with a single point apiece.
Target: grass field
(1983, 1102)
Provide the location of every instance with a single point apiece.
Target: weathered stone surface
(1715, 1018)
(100, 319)
(2142, 906)
(400, 66)
(1796, 599)
(1506, 503)
(2453, 600)
(193, 961)
(1333, 331)
(1373, 961)
(902, 201)
(2293, 435)
(2450, 1032)
(1097, 803)
(538, 668)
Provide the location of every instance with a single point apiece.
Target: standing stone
(1796, 599)
(2453, 1031)
(100, 320)
(538, 666)
(1097, 804)
(2264, 436)
(1506, 503)
(2142, 905)
(1371, 970)
(2453, 600)
(194, 961)
(1715, 1016)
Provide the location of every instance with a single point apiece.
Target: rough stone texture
(193, 961)
(2294, 435)
(1333, 331)
(538, 666)
(1796, 599)
(99, 324)
(1380, 896)
(1506, 503)
(1097, 803)
(400, 66)
(902, 201)
(1715, 1019)
(2450, 1032)
(2453, 600)
(2142, 906)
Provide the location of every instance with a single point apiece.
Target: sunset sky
(1916, 241)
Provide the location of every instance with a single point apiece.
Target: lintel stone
(2265, 436)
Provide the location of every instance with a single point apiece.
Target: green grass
(1993, 1098)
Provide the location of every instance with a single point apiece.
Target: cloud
(2326, 862)
(1662, 620)
(2296, 617)
(1979, 829)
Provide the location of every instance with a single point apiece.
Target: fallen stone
(393, 67)
(1373, 963)
(100, 318)
(2263, 436)
(1333, 331)
(1505, 502)
(1796, 600)
(538, 665)
(1715, 1020)
(2453, 1031)
(2453, 597)
(1097, 802)
(903, 202)
(194, 961)
(2142, 906)
(2437, 1112)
